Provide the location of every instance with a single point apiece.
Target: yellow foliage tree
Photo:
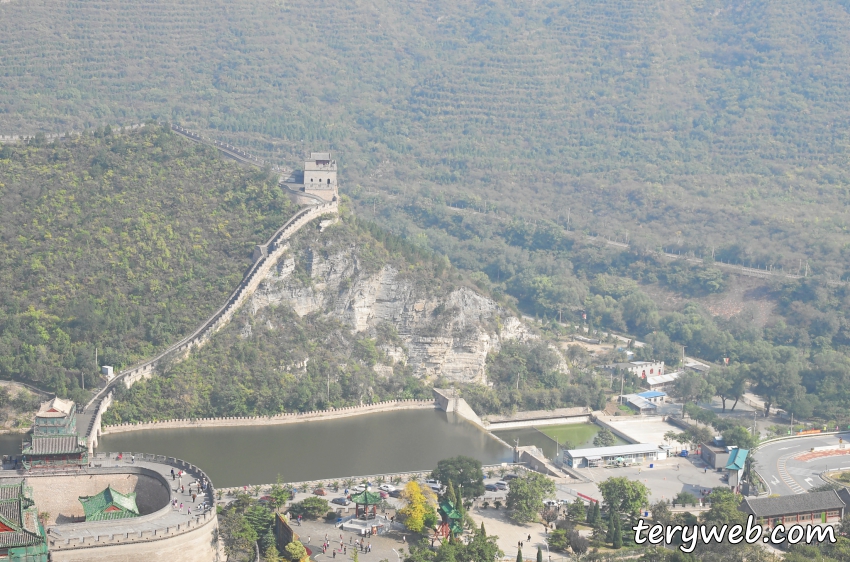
(419, 512)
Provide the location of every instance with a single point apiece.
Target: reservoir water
(412, 440)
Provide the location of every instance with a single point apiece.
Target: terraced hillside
(121, 242)
(699, 124)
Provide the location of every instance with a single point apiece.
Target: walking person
(172, 474)
(193, 497)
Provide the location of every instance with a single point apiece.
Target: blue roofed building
(735, 466)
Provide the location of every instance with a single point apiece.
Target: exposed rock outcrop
(441, 332)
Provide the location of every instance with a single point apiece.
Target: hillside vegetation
(699, 124)
(276, 356)
(121, 242)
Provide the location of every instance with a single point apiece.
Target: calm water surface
(360, 445)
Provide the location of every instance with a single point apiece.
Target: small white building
(635, 453)
(642, 369)
(660, 382)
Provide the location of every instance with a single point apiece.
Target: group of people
(200, 487)
(356, 544)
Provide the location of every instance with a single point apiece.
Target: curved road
(785, 475)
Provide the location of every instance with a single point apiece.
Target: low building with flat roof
(660, 382)
(799, 509)
(618, 454)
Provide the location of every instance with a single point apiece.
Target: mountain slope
(702, 124)
(121, 242)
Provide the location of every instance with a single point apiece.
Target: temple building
(54, 440)
(110, 504)
(22, 537)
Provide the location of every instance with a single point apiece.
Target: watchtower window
(329, 181)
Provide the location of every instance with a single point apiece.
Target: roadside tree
(419, 513)
(464, 472)
(312, 507)
(526, 495)
(623, 495)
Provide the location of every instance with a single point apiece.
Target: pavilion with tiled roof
(54, 441)
(366, 499)
(110, 504)
(21, 534)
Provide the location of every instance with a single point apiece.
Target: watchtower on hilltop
(320, 176)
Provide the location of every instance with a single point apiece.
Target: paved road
(786, 476)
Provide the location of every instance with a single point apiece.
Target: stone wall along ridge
(271, 252)
(252, 279)
(293, 417)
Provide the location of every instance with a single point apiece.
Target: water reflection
(368, 444)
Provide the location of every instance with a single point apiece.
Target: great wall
(265, 257)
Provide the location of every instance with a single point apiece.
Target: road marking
(785, 448)
(783, 474)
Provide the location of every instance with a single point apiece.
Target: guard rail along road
(266, 258)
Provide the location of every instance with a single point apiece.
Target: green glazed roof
(97, 507)
(366, 498)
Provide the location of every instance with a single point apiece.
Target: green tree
(739, 436)
(604, 438)
(519, 557)
(539, 554)
(558, 540)
(296, 551)
(577, 510)
(526, 495)
(617, 543)
(692, 387)
(724, 508)
(623, 495)
(312, 507)
(279, 494)
(464, 472)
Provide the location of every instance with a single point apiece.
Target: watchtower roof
(320, 156)
(55, 408)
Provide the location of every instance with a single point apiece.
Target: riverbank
(294, 417)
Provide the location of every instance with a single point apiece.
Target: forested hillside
(121, 242)
(350, 316)
(699, 124)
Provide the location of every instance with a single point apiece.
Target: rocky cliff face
(442, 331)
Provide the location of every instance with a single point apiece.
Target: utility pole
(329, 387)
(568, 217)
(622, 383)
(683, 356)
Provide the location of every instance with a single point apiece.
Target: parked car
(431, 481)
(551, 503)
(490, 488)
(509, 477)
(502, 485)
(395, 494)
(341, 501)
(357, 489)
(320, 492)
(384, 495)
(387, 487)
(684, 454)
(435, 488)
